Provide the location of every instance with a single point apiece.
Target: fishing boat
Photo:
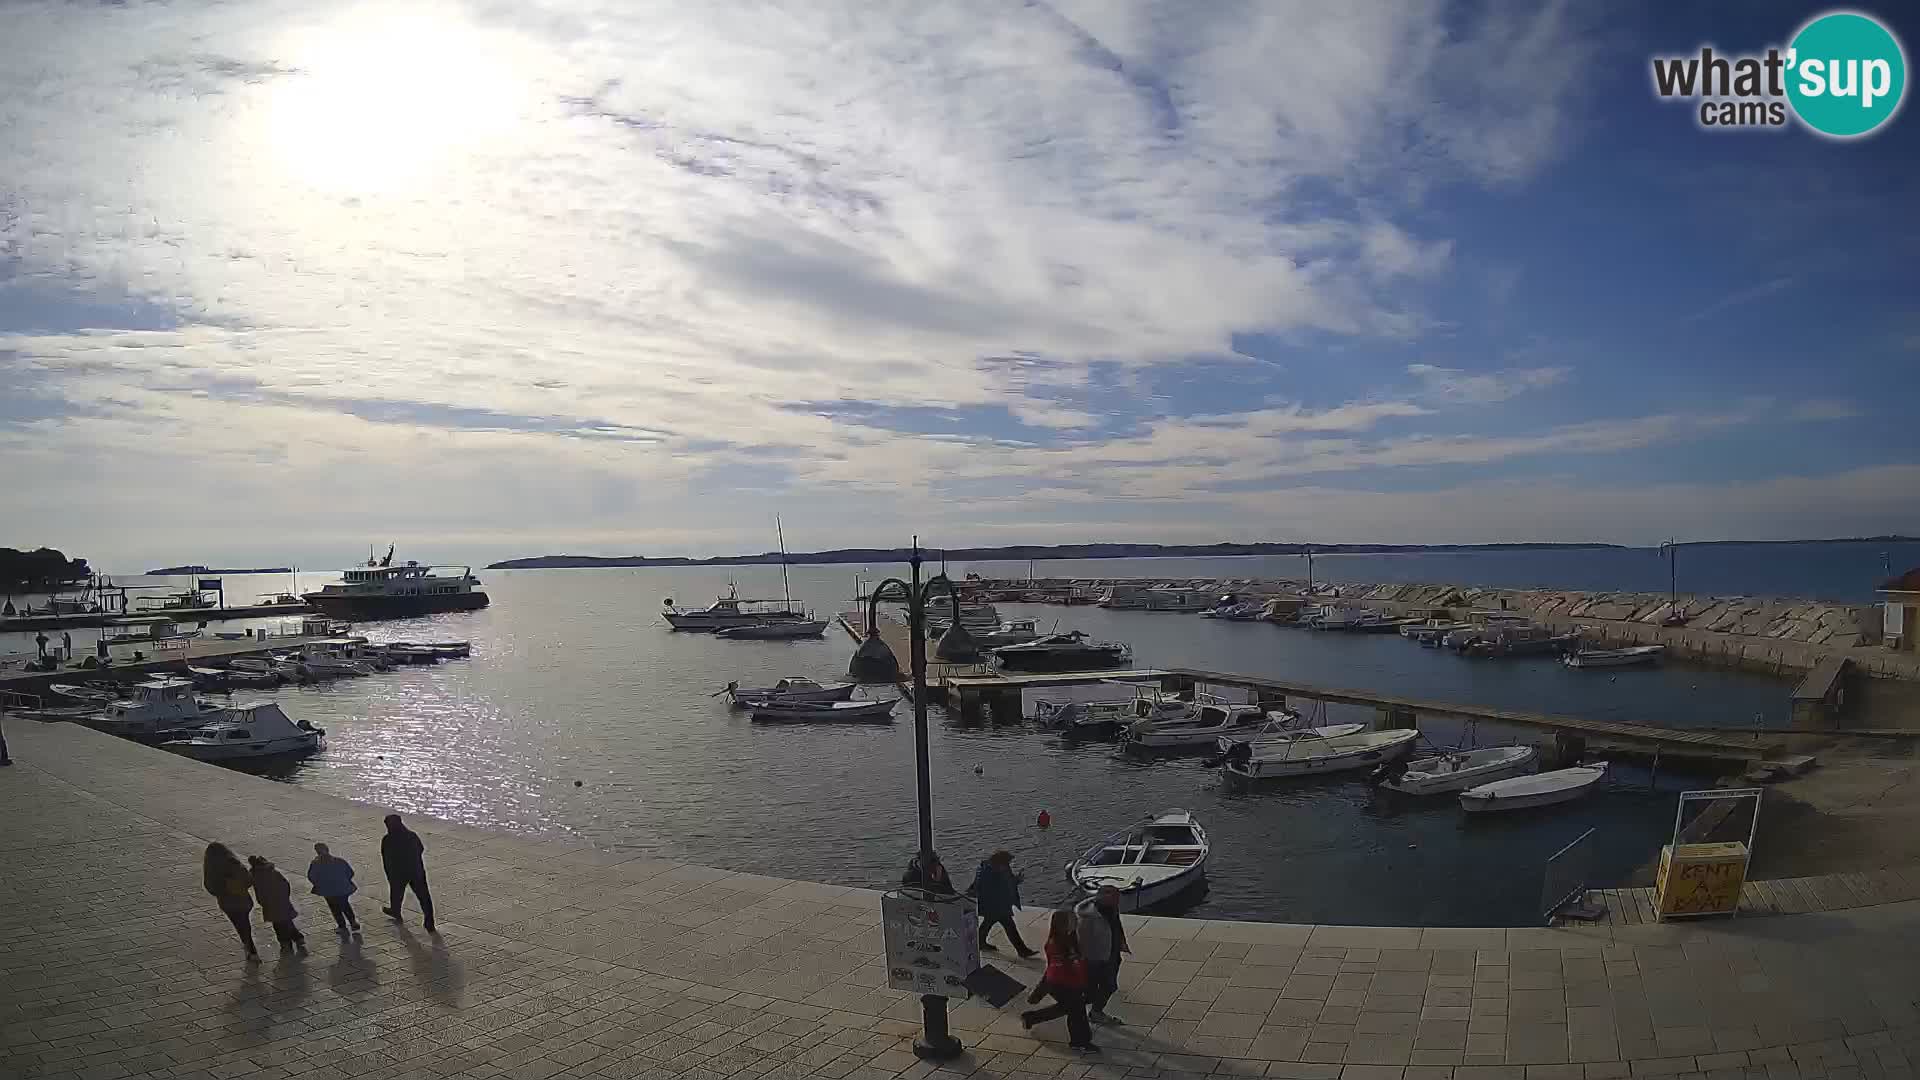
(1437, 774)
(776, 711)
(1150, 863)
(775, 631)
(1612, 658)
(381, 590)
(791, 688)
(152, 709)
(1071, 651)
(1540, 789)
(1197, 725)
(1282, 725)
(249, 731)
(1314, 756)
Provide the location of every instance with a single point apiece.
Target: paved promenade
(559, 960)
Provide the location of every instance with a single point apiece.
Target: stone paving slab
(557, 959)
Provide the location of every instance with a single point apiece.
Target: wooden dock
(185, 616)
(18, 686)
(1000, 691)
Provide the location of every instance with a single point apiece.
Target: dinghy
(1311, 755)
(791, 688)
(1438, 774)
(1608, 658)
(1281, 725)
(1540, 789)
(1150, 863)
(1199, 725)
(823, 712)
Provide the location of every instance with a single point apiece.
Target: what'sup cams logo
(1843, 75)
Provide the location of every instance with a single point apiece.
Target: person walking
(996, 889)
(276, 903)
(1066, 981)
(5, 758)
(40, 639)
(228, 882)
(1104, 939)
(404, 856)
(332, 879)
(66, 645)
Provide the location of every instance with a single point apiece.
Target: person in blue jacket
(996, 889)
(332, 879)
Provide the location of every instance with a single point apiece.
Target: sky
(281, 281)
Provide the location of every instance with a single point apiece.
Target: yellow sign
(1700, 879)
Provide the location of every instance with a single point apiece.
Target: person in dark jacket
(403, 855)
(227, 881)
(996, 889)
(1104, 939)
(932, 878)
(276, 903)
(332, 879)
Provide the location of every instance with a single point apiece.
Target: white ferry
(380, 590)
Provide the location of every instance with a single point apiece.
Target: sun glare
(383, 96)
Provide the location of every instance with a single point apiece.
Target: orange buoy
(1044, 820)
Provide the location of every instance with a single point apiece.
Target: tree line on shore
(40, 569)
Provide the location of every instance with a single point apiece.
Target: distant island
(1019, 553)
(182, 571)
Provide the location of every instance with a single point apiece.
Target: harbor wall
(1776, 635)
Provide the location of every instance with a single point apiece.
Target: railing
(1565, 879)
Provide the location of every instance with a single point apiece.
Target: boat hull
(1479, 801)
(774, 631)
(880, 712)
(1442, 783)
(364, 608)
(1145, 896)
(1078, 660)
(1613, 658)
(1319, 764)
(289, 747)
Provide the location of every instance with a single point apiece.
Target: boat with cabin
(1149, 863)
(381, 590)
(244, 732)
(152, 709)
(1071, 651)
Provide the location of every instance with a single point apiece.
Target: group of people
(1083, 947)
(235, 886)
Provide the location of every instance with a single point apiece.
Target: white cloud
(1484, 388)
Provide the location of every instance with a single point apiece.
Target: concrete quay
(557, 959)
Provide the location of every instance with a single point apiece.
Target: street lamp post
(874, 662)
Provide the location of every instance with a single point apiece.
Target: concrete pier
(557, 959)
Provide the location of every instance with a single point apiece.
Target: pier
(90, 619)
(555, 958)
(996, 692)
(17, 687)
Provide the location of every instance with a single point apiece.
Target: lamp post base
(934, 1043)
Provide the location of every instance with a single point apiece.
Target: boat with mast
(794, 624)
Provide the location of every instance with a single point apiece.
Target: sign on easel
(1704, 868)
(933, 942)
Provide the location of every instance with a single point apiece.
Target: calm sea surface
(575, 678)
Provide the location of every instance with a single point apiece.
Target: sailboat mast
(786, 585)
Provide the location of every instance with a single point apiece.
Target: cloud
(1454, 385)
(1737, 298)
(1824, 409)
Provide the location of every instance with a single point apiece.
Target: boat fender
(1045, 820)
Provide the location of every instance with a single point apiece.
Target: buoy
(576, 783)
(979, 770)
(1045, 819)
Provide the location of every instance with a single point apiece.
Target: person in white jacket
(1103, 939)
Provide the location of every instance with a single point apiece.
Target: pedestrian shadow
(434, 966)
(353, 964)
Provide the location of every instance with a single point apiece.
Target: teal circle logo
(1846, 74)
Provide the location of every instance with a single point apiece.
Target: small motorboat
(98, 692)
(823, 712)
(1197, 725)
(1282, 725)
(1540, 789)
(1612, 658)
(249, 731)
(445, 650)
(774, 631)
(409, 654)
(793, 688)
(1071, 651)
(1150, 863)
(1438, 774)
(1105, 719)
(1310, 755)
(1011, 632)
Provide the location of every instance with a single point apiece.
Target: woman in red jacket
(1066, 980)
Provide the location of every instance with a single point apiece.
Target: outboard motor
(1238, 754)
(1386, 771)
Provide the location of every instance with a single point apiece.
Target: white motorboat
(1149, 863)
(445, 650)
(1197, 725)
(823, 712)
(1313, 756)
(98, 693)
(774, 631)
(381, 590)
(791, 688)
(1094, 719)
(1282, 725)
(1437, 774)
(1431, 630)
(1611, 658)
(154, 708)
(1071, 651)
(728, 611)
(1011, 632)
(249, 731)
(1540, 789)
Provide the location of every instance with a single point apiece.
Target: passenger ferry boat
(380, 590)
